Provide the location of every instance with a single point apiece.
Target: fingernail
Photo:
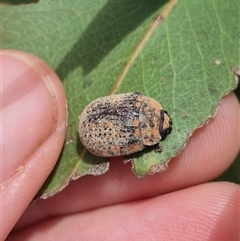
(27, 110)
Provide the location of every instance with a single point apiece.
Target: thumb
(33, 116)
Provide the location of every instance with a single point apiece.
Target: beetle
(123, 124)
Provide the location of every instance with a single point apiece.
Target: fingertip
(33, 107)
(34, 127)
(212, 148)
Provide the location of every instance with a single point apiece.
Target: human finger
(34, 125)
(206, 212)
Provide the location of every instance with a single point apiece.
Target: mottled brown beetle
(118, 125)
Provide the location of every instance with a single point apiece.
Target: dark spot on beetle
(132, 141)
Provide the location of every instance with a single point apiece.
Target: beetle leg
(158, 148)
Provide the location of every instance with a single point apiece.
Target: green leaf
(102, 47)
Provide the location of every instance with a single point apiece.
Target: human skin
(178, 204)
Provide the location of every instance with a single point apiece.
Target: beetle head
(165, 124)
